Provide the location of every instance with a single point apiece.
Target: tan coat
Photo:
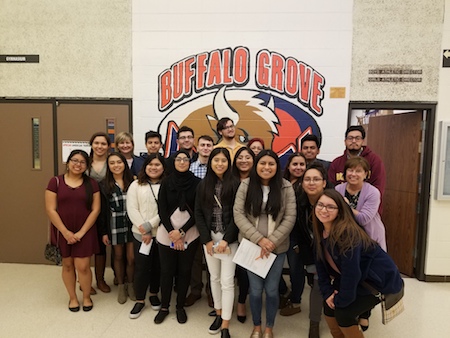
(279, 229)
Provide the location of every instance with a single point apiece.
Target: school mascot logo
(224, 76)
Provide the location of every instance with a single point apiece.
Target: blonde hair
(124, 136)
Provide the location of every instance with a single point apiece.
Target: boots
(130, 290)
(313, 329)
(335, 330)
(100, 263)
(122, 294)
(352, 332)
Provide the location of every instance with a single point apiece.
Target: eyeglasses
(181, 159)
(314, 180)
(190, 137)
(329, 208)
(353, 138)
(75, 161)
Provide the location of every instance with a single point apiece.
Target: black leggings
(147, 270)
(176, 264)
(242, 278)
(348, 316)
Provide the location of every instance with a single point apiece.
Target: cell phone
(226, 252)
(172, 246)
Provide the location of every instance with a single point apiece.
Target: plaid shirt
(198, 169)
(119, 223)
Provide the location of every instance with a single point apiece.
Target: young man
(153, 144)
(310, 147)
(185, 141)
(226, 129)
(354, 139)
(198, 168)
(204, 147)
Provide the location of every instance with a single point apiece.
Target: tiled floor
(34, 304)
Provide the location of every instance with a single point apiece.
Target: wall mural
(279, 106)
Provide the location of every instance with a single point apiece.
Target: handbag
(52, 252)
(391, 304)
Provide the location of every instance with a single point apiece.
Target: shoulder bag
(391, 304)
(52, 252)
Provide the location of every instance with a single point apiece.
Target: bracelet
(182, 233)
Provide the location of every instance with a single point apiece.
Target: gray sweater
(279, 229)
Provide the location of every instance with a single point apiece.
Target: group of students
(156, 222)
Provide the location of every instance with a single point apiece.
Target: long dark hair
(345, 233)
(287, 174)
(210, 180)
(97, 134)
(86, 179)
(253, 201)
(109, 182)
(142, 175)
(235, 171)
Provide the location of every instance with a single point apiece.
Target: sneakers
(216, 325)
(161, 316)
(225, 333)
(290, 309)
(137, 310)
(181, 316)
(155, 302)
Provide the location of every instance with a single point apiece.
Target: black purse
(52, 252)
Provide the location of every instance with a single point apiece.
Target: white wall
(438, 243)
(84, 48)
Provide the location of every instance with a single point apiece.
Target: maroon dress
(71, 207)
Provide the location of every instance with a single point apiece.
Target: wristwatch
(182, 233)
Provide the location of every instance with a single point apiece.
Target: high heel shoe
(241, 319)
(364, 327)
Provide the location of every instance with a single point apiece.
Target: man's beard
(354, 152)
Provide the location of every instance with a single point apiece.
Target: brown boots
(100, 263)
(343, 332)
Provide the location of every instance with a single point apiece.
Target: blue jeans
(270, 286)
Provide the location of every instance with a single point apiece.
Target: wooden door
(396, 139)
(28, 165)
(78, 121)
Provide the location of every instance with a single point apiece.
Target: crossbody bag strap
(374, 291)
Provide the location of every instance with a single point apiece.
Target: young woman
(313, 185)
(72, 202)
(125, 146)
(218, 234)
(100, 144)
(114, 224)
(346, 257)
(265, 212)
(290, 301)
(142, 207)
(242, 165)
(177, 236)
(365, 200)
(256, 145)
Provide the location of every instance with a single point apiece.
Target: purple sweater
(368, 217)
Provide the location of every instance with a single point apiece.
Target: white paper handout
(246, 256)
(145, 248)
